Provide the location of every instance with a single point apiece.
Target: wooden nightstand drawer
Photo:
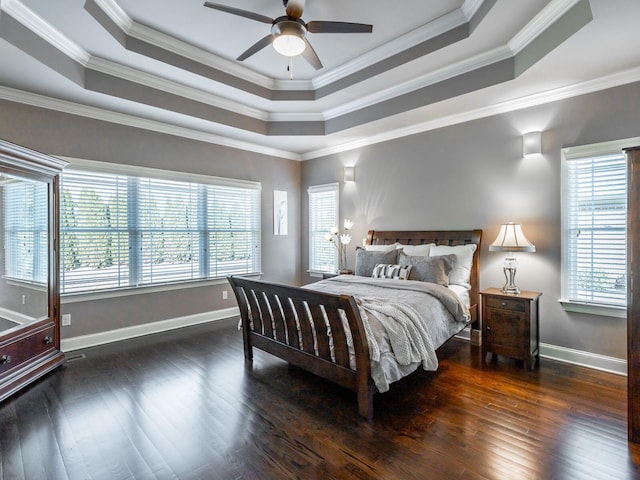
(514, 305)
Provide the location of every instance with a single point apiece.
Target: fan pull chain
(290, 68)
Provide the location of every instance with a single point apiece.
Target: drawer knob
(504, 304)
(5, 359)
(48, 340)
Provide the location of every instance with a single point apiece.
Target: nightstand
(510, 325)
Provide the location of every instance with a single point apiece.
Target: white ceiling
(170, 66)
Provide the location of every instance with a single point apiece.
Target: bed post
(244, 319)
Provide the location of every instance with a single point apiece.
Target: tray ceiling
(170, 66)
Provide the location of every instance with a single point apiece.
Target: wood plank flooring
(182, 405)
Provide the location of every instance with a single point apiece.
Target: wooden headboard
(439, 237)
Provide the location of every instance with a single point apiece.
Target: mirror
(24, 258)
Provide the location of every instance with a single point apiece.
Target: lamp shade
(511, 239)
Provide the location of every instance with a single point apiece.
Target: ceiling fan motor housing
(288, 26)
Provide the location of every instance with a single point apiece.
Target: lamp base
(510, 286)
(510, 290)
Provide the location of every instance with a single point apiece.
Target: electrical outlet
(225, 295)
(66, 319)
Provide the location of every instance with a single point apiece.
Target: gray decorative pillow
(366, 260)
(428, 269)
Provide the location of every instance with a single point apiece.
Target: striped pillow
(387, 270)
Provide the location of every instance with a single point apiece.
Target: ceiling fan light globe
(289, 45)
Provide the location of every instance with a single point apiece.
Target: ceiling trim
(347, 115)
(44, 30)
(563, 93)
(96, 113)
(151, 42)
(41, 101)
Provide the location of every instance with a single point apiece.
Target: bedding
(405, 322)
(325, 334)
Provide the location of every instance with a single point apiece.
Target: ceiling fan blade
(295, 8)
(311, 56)
(256, 47)
(338, 27)
(239, 12)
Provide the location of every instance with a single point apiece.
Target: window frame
(567, 155)
(334, 188)
(158, 174)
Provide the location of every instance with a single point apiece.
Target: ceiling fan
(289, 32)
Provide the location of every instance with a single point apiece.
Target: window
(323, 214)
(595, 221)
(25, 214)
(118, 230)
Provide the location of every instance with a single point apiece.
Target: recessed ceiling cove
(210, 66)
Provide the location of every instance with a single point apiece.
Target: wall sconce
(531, 143)
(349, 174)
(511, 239)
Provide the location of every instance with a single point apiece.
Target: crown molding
(431, 78)
(563, 93)
(38, 25)
(115, 13)
(470, 7)
(426, 32)
(550, 14)
(167, 42)
(28, 98)
(96, 113)
(158, 83)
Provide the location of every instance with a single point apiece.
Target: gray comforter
(405, 321)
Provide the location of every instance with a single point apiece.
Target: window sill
(593, 309)
(67, 298)
(317, 273)
(17, 282)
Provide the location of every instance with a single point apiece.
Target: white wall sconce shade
(349, 174)
(531, 143)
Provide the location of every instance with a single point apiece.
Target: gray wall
(473, 175)
(67, 135)
(470, 175)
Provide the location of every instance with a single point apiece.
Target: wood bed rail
(307, 329)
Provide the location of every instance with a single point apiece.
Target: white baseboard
(552, 352)
(584, 359)
(91, 340)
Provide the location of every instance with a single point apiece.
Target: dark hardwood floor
(182, 405)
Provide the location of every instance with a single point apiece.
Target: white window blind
(25, 206)
(120, 230)
(595, 219)
(323, 214)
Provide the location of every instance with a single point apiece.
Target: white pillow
(416, 250)
(380, 248)
(461, 272)
(398, 272)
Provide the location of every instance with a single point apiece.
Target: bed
(329, 327)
